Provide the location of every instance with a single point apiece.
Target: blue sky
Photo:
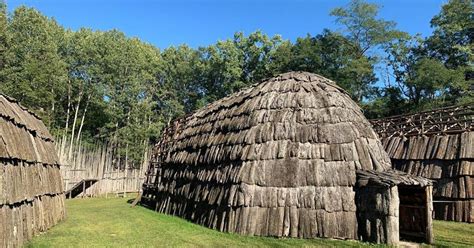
(203, 22)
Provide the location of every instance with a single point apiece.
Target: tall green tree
(333, 56)
(452, 43)
(422, 80)
(452, 39)
(434, 72)
(3, 33)
(34, 72)
(369, 35)
(128, 72)
(84, 86)
(235, 63)
(258, 51)
(179, 82)
(363, 26)
(431, 72)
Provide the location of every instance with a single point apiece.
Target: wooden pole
(83, 188)
(429, 214)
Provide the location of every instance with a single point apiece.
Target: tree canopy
(91, 86)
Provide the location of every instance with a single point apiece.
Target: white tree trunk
(82, 119)
(74, 124)
(66, 128)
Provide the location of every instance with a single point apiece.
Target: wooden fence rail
(449, 120)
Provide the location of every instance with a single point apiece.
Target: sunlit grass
(104, 222)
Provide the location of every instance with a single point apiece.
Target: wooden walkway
(80, 187)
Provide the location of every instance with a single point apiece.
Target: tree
(258, 51)
(423, 81)
(84, 87)
(388, 102)
(333, 56)
(3, 33)
(34, 72)
(434, 72)
(452, 44)
(364, 28)
(235, 63)
(128, 70)
(452, 39)
(179, 81)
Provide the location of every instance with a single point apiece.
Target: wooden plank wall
(447, 159)
(31, 189)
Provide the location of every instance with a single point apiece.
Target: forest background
(93, 87)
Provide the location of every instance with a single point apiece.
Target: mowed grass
(101, 222)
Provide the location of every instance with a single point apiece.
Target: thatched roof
(292, 116)
(23, 134)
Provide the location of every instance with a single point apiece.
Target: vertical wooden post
(429, 214)
(83, 188)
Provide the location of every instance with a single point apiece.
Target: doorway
(414, 213)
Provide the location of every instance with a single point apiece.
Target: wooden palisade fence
(100, 168)
(437, 144)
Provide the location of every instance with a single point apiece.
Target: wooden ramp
(80, 187)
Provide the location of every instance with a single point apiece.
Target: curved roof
(287, 122)
(23, 136)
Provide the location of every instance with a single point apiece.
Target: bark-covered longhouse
(31, 190)
(436, 144)
(290, 157)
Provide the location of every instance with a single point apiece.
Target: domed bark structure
(31, 190)
(279, 159)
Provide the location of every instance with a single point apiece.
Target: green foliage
(179, 81)
(432, 72)
(3, 33)
(235, 63)
(34, 72)
(452, 39)
(127, 69)
(420, 77)
(367, 36)
(92, 86)
(363, 27)
(338, 58)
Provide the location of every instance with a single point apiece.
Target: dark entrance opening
(414, 213)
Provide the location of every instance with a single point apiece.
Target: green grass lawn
(101, 222)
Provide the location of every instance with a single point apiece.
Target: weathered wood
(454, 119)
(275, 159)
(454, 210)
(377, 214)
(99, 163)
(429, 215)
(442, 151)
(31, 190)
